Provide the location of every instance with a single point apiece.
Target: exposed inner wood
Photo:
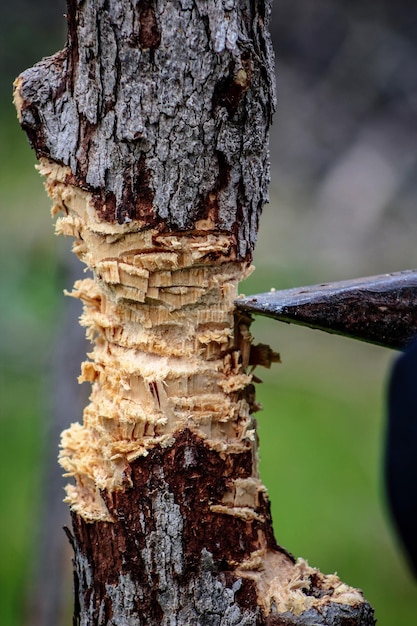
(169, 433)
(160, 314)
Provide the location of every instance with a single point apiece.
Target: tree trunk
(152, 130)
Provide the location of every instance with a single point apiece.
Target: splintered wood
(160, 315)
(169, 357)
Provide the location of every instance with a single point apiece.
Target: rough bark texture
(162, 110)
(152, 128)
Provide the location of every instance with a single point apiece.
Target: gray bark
(162, 109)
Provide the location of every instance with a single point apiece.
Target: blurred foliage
(29, 296)
(343, 203)
(343, 141)
(29, 31)
(30, 302)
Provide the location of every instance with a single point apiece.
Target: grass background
(321, 430)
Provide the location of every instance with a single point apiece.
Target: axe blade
(377, 309)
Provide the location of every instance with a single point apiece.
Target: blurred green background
(343, 204)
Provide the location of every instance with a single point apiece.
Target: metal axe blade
(377, 309)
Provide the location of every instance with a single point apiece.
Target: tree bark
(151, 127)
